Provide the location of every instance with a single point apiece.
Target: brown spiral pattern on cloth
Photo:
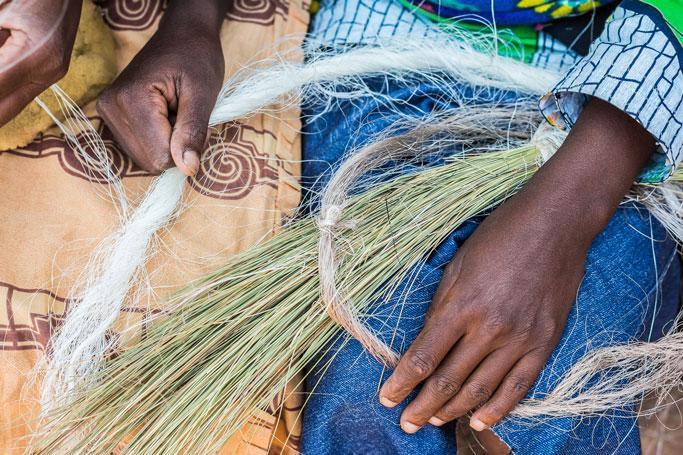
(232, 166)
(73, 163)
(131, 14)
(260, 12)
(87, 167)
(23, 329)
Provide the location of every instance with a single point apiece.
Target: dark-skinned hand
(504, 300)
(36, 39)
(158, 108)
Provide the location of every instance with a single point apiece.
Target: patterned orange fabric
(54, 211)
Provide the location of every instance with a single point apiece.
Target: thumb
(190, 131)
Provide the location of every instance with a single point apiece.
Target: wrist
(195, 16)
(586, 180)
(555, 216)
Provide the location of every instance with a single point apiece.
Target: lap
(629, 291)
(632, 273)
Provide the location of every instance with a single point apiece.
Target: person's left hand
(498, 313)
(504, 300)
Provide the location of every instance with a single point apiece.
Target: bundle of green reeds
(239, 335)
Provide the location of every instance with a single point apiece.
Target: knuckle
(108, 101)
(125, 95)
(520, 384)
(443, 385)
(449, 412)
(550, 327)
(496, 324)
(478, 392)
(525, 327)
(446, 415)
(420, 363)
(495, 412)
(194, 133)
(103, 104)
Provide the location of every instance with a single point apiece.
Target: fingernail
(191, 160)
(386, 402)
(477, 425)
(409, 428)
(437, 422)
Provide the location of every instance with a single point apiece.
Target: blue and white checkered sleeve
(634, 65)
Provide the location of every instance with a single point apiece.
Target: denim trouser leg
(629, 291)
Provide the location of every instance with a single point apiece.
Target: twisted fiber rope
(460, 60)
(331, 206)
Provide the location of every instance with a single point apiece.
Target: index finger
(141, 128)
(419, 361)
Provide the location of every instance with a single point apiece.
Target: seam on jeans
(662, 276)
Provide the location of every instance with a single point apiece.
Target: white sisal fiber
(612, 378)
(665, 202)
(94, 153)
(81, 342)
(458, 59)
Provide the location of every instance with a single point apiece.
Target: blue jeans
(630, 291)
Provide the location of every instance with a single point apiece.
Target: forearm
(583, 184)
(202, 15)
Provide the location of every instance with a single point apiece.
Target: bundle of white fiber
(82, 136)
(81, 344)
(460, 59)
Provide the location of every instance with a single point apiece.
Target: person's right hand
(158, 108)
(36, 39)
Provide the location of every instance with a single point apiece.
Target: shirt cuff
(635, 66)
